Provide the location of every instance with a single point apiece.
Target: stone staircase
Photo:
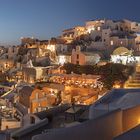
(134, 80)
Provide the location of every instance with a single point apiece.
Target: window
(77, 56)
(99, 28)
(111, 43)
(32, 120)
(98, 39)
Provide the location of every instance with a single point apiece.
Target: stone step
(133, 82)
(131, 85)
(136, 75)
(136, 78)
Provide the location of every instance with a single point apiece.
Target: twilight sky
(47, 18)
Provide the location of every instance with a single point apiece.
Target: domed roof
(121, 51)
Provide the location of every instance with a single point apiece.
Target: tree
(110, 72)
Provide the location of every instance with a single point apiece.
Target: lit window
(111, 42)
(99, 28)
(77, 56)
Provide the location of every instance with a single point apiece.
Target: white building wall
(91, 60)
(62, 59)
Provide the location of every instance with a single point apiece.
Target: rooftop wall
(131, 118)
(103, 128)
